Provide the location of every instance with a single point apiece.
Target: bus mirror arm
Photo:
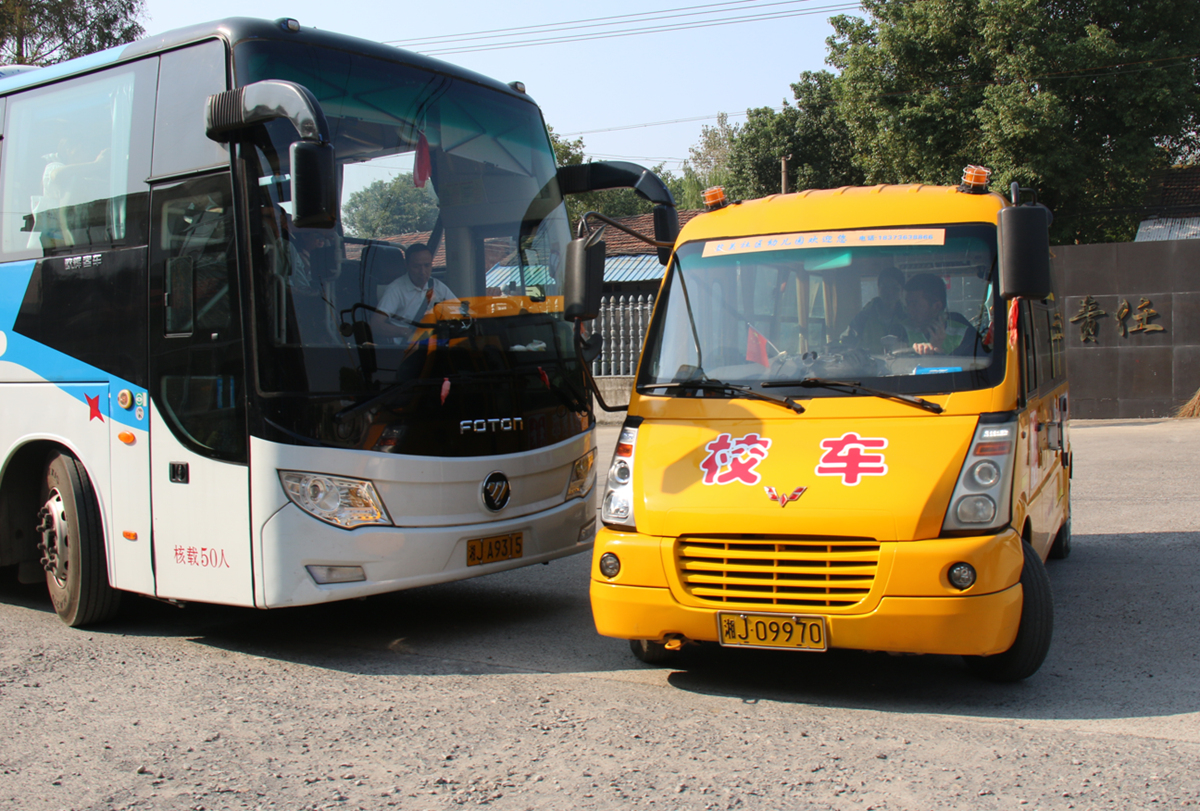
(600, 175)
(588, 350)
(313, 160)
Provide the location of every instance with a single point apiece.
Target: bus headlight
(345, 503)
(583, 475)
(983, 494)
(616, 509)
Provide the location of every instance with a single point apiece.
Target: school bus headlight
(610, 565)
(985, 474)
(961, 576)
(345, 503)
(583, 475)
(616, 508)
(620, 474)
(976, 510)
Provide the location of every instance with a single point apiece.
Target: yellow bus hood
(769, 472)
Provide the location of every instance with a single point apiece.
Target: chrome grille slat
(765, 572)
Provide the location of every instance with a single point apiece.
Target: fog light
(587, 532)
(336, 574)
(976, 510)
(962, 575)
(610, 564)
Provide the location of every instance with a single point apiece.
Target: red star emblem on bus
(94, 406)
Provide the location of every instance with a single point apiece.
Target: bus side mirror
(1024, 244)
(583, 280)
(314, 185)
(666, 229)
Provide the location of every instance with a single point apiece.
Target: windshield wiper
(854, 387)
(717, 385)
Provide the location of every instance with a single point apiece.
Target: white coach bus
(201, 396)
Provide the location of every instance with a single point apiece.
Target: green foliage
(1079, 99)
(811, 134)
(388, 208)
(44, 32)
(612, 202)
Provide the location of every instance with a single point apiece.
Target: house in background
(1173, 206)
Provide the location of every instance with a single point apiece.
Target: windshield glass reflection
(911, 309)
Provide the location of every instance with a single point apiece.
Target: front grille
(765, 572)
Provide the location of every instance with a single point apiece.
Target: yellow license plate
(492, 550)
(772, 631)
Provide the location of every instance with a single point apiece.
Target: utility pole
(783, 182)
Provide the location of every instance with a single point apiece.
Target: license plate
(772, 631)
(492, 550)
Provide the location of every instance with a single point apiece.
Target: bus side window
(187, 78)
(73, 162)
(1029, 374)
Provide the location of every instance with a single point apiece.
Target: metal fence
(622, 321)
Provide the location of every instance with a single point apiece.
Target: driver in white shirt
(406, 300)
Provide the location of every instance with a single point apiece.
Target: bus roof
(845, 208)
(235, 30)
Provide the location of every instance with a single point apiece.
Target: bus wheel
(1061, 548)
(72, 545)
(652, 653)
(1032, 644)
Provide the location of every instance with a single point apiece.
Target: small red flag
(422, 168)
(756, 348)
(545, 377)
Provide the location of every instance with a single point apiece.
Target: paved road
(498, 692)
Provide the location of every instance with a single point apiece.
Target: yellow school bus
(848, 430)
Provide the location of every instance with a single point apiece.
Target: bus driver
(406, 300)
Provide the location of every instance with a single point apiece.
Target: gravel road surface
(497, 692)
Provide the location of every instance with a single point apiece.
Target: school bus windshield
(914, 306)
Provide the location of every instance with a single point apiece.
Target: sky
(618, 84)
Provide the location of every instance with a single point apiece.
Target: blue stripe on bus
(50, 364)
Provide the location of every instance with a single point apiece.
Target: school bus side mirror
(1024, 244)
(583, 280)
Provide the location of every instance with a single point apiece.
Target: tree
(811, 134)
(44, 32)
(707, 164)
(611, 202)
(1079, 99)
(388, 208)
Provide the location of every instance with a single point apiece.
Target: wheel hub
(52, 524)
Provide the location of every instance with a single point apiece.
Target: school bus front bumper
(884, 596)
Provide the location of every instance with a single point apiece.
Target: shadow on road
(1126, 640)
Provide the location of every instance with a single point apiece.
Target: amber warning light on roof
(714, 198)
(975, 179)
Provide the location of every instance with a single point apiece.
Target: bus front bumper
(912, 611)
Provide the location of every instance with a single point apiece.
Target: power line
(643, 31)
(592, 22)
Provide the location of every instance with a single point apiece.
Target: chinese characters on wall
(1090, 313)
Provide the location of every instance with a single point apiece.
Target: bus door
(200, 488)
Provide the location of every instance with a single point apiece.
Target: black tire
(1029, 649)
(72, 545)
(1061, 548)
(652, 653)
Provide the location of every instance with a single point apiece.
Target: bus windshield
(910, 308)
(443, 277)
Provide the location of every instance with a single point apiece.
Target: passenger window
(73, 161)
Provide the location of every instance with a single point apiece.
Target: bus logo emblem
(496, 491)
(786, 497)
